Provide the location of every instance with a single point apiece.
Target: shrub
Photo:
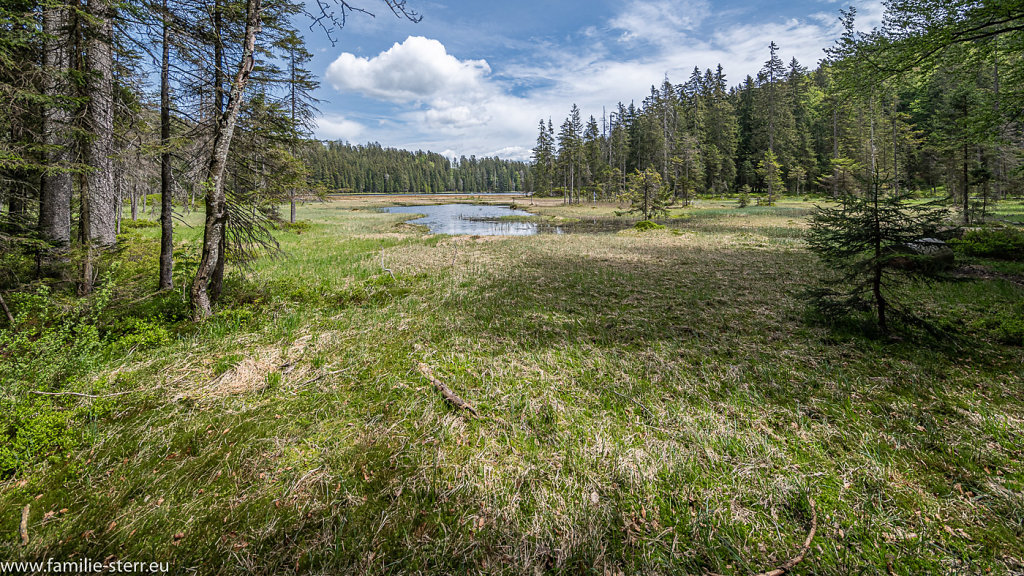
(1000, 243)
(298, 227)
(645, 225)
(141, 333)
(49, 346)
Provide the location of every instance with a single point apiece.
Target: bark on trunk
(56, 192)
(219, 78)
(217, 281)
(119, 199)
(166, 192)
(85, 233)
(100, 117)
(216, 212)
(965, 185)
(135, 201)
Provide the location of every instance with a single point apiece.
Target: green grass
(655, 402)
(1010, 210)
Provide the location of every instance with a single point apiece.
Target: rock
(930, 253)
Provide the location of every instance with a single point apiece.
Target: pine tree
(543, 159)
(770, 173)
(593, 160)
(301, 104)
(570, 153)
(648, 194)
(872, 244)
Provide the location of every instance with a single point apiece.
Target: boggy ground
(657, 403)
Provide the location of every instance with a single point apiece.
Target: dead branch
(24, 524)
(792, 562)
(79, 394)
(450, 396)
(320, 377)
(635, 401)
(7, 310)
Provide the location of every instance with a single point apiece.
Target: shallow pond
(472, 219)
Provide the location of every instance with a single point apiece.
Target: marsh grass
(654, 402)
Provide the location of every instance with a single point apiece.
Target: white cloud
(512, 153)
(417, 70)
(457, 105)
(455, 116)
(335, 127)
(660, 21)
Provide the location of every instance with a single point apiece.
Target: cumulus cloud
(417, 70)
(456, 116)
(513, 153)
(334, 127)
(444, 102)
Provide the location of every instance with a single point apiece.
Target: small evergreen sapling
(867, 241)
(648, 195)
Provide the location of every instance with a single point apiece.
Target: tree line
(888, 103)
(372, 168)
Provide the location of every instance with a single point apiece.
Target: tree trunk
(219, 79)
(100, 120)
(895, 150)
(216, 213)
(217, 281)
(166, 191)
(881, 305)
(85, 234)
(835, 151)
(294, 103)
(135, 201)
(119, 200)
(966, 188)
(56, 192)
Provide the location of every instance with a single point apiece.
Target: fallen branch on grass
(635, 401)
(446, 391)
(792, 562)
(79, 394)
(24, 524)
(320, 377)
(7, 311)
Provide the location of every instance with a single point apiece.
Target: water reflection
(471, 219)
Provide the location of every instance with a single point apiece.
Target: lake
(471, 219)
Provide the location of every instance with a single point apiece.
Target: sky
(475, 77)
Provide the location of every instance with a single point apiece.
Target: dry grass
(656, 403)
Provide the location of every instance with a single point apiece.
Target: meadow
(646, 402)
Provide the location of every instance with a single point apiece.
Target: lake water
(471, 219)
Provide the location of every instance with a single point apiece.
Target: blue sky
(475, 77)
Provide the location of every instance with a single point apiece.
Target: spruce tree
(872, 245)
(648, 194)
(543, 157)
(769, 171)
